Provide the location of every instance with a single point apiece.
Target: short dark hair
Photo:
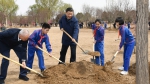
(46, 25)
(98, 20)
(69, 9)
(120, 20)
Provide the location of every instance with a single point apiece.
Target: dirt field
(85, 40)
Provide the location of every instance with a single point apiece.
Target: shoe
(121, 68)
(124, 72)
(25, 78)
(2, 82)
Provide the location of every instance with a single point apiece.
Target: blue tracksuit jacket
(36, 38)
(126, 36)
(93, 26)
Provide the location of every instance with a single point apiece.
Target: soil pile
(82, 72)
(132, 69)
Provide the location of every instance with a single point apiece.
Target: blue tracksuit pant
(31, 51)
(128, 49)
(99, 46)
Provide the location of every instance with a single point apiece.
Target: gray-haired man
(17, 40)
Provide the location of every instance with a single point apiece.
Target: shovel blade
(93, 60)
(109, 63)
(41, 75)
(93, 53)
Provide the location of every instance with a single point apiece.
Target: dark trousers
(5, 51)
(64, 51)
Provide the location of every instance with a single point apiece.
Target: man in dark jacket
(69, 23)
(17, 40)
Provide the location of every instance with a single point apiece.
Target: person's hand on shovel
(50, 54)
(94, 41)
(119, 50)
(73, 40)
(37, 46)
(24, 64)
(61, 29)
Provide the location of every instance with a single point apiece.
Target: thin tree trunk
(142, 70)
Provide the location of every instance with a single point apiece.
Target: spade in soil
(112, 60)
(92, 53)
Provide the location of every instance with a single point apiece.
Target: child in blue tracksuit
(127, 39)
(93, 27)
(99, 42)
(129, 25)
(36, 40)
(105, 24)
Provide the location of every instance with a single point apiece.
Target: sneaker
(121, 68)
(25, 78)
(124, 72)
(2, 82)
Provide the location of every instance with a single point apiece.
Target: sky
(24, 6)
(76, 4)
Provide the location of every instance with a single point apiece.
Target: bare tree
(142, 70)
(99, 12)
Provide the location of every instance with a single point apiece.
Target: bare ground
(85, 40)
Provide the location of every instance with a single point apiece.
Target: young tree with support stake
(142, 70)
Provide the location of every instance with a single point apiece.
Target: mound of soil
(132, 69)
(82, 72)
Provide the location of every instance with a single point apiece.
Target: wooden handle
(114, 56)
(74, 41)
(20, 64)
(116, 53)
(49, 54)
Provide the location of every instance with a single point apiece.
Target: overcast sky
(76, 4)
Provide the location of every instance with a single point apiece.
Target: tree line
(51, 11)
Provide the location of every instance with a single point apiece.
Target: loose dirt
(82, 72)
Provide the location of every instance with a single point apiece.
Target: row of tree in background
(51, 11)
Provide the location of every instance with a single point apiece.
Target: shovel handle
(114, 56)
(74, 41)
(116, 53)
(50, 55)
(20, 64)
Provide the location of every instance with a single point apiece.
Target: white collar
(19, 38)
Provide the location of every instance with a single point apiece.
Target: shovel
(51, 55)
(114, 56)
(112, 60)
(22, 65)
(93, 59)
(117, 39)
(95, 53)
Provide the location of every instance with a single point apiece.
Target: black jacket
(71, 26)
(9, 37)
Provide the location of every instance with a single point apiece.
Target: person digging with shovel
(127, 39)
(99, 42)
(36, 39)
(69, 23)
(17, 40)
